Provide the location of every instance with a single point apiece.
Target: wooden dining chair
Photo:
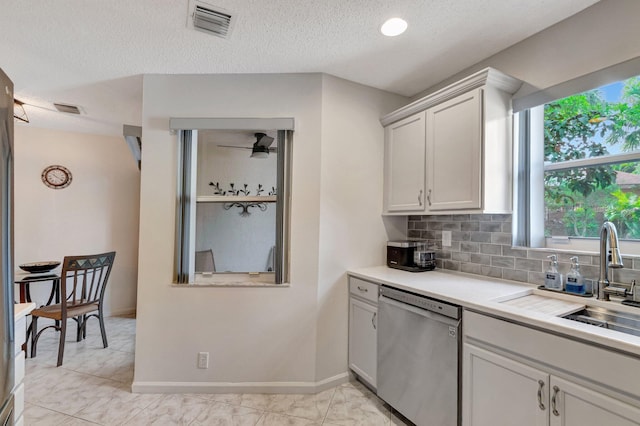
(83, 281)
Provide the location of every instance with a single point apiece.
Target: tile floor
(93, 387)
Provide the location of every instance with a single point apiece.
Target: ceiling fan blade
(263, 140)
(234, 146)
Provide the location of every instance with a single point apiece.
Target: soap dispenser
(553, 278)
(575, 281)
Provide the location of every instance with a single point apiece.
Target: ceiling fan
(261, 147)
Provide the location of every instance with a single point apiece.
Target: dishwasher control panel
(422, 302)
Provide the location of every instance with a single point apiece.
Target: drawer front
(19, 368)
(364, 289)
(21, 334)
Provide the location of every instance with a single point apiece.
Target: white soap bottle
(575, 281)
(553, 278)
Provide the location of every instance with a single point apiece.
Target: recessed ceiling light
(393, 27)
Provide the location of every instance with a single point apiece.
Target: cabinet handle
(429, 198)
(540, 387)
(363, 289)
(420, 198)
(373, 319)
(553, 401)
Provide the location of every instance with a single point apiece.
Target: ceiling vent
(210, 19)
(69, 109)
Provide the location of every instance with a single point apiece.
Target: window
(581, 158)
(232, 202)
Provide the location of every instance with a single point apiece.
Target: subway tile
(461, 256)
(481, 237)
(443, 254)
(460, 217)
(501, 217)
(415, 218)
(470, 226)
(536, 278)
(500, 238)
(503, 262)
(419, 225)
(515, 275)
(435, 226)
(490, 227)
(507, 250)
(507, 227)
(625, 275)
(469, 246)
(444, 217)
(451, 265)
(471, 268)
(413, 233)
(483, 259)
(636, 263)
(491, 271)
(539, 254)
(490, 249)
(455, 246)
(486, 217)
(460, 235)
(529, 265)
(451, 226)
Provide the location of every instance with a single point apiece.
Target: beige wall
(261, 338)
(602, 35)
(98, 212)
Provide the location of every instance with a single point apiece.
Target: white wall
(260, 336)
(352, 231)
(98, 212)
(602, 35)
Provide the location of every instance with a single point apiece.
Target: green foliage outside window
(583, 126)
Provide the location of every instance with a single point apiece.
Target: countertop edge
(460, 289)
(21, 310)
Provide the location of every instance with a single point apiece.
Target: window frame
(186, 129)
(529, 204)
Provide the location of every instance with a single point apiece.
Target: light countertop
(22, 309)
(520, 302)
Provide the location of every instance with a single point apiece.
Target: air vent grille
(212, 21)
(69, 109)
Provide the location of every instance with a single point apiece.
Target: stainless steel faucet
(609, 257)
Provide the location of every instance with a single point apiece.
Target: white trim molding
(487, 76)
(240, 387)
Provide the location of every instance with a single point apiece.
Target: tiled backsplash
(481, 244)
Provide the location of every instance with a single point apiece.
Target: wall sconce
(18, 111)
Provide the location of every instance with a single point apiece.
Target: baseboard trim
(243, 387)
(121, 312)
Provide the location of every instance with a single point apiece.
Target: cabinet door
(454, 153)
(404, 165)
(574, 405)
(501, 392)
(363, 339)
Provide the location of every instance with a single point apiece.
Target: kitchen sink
(606, 318)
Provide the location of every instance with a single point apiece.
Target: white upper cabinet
(465, 130)
(405, 164)
(454, 153)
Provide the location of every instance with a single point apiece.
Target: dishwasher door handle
(427, 314)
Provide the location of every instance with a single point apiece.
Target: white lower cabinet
(499, 391)
(574, 405)
(363, 334)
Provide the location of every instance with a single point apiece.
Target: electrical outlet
(203, 359)
(446, 238)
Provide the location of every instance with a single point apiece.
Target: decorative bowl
(35, 267)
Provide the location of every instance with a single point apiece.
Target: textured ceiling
(93, 53)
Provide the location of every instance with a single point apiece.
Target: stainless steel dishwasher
(419, 357)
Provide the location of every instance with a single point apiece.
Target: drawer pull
(420, 198)
(363, 289)
(553, 401)
(373, 320)
(540, 387)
